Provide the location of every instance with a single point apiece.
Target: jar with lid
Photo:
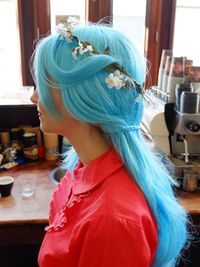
(30, 146)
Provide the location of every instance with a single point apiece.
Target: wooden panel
(34, 22)
(152, 38)
(19, 256)
(159, 33)
(167, 24)
(14, 115)
(21, 234)
(99, 9)
(42, 24)
(26, 23)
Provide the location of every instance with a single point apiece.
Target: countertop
(191, 201)
(16, 209)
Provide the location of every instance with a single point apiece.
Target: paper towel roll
(51, 146)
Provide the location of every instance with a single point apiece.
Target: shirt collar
(95, 172)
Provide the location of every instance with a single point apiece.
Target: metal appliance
(176, 134)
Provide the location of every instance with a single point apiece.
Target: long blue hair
(118, 113)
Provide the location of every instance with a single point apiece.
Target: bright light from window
(129, 17)
(67, 8)
(10, 60)
(186, 33)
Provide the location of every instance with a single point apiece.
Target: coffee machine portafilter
(186, 138)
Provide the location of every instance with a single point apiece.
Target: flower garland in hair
(118, 77)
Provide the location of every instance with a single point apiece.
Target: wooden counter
(16, 209)
(191, 201)
(22, 220)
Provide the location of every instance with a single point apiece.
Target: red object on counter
(41, 151)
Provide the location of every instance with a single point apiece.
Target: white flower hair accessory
(115, 80)
(118, 77)
(82, 49)
(64, 32)
(73, 21)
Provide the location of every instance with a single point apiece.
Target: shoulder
(124, 196)
(119, 240)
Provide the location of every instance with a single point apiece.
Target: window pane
(186, 33)
(61, 8)
(10, 60)
(129, 17)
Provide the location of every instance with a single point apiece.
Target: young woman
(115, 206)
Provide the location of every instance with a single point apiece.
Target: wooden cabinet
(22, 221)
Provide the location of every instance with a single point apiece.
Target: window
(10, 55)
(37, 18)
(186, 34)
(60, 11)
(129, 18)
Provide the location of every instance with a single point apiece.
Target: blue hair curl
(87, 97)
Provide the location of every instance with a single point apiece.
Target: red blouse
(99, 218)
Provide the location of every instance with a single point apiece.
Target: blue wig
(118, 113)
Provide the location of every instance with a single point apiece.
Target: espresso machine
(172, 118)
(175, 131)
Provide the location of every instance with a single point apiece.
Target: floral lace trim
(60, 219)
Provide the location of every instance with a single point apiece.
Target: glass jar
(30, 146)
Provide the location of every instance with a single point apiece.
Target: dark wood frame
(160, 16)
(34, 21)
(99, 9)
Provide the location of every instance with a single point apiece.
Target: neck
(89, 142)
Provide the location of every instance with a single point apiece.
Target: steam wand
(186, 154)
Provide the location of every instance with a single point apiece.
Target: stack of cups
(195, 77)
(166, 76)
(165, 53)
(195, 74)
(176, 76)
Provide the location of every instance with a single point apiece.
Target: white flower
(74, 52)
(60, 28)
(90, 48)
(73, 21)
(110, 81)
(118, 74)
(63, 31)
(114, 81)
(81, 49)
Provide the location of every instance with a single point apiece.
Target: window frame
(34, 15)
